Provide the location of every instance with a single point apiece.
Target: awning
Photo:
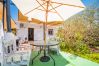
(24, 19)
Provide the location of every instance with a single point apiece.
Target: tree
(92, 33)
(79, 32)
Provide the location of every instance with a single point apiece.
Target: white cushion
(16, 58)
(9, 59)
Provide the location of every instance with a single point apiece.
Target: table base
(44, 58)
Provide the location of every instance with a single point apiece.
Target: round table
(46, 46)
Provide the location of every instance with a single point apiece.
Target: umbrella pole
(45, 26)
(45, 58)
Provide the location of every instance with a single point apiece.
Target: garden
(80, 36)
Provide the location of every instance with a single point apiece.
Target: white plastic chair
(16, 58)
(25, 57)
(9, 59)
(54, 48)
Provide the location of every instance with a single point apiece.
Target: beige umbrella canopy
(53, 10)
(13, 25)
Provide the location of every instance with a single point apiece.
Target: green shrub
(79, 35)
(93, 57)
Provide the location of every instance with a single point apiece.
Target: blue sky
(14, 12)
(88, 3)
(91, 3)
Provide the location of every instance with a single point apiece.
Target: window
(21, 25)
(50, 31)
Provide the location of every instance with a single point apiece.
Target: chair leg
(58, 52)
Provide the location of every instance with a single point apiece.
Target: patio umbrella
(53, 10)
(49, 10)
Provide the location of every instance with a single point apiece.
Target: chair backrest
(9, 59)
(39, 42)
(21, 41)
(16, 58)
(25, 57)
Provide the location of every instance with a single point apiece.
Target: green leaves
(79, 33)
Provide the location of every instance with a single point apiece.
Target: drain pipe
(8, 19)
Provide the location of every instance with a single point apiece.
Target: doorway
(30, 34)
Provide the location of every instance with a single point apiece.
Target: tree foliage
(79, 33)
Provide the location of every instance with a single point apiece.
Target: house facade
(35, 32)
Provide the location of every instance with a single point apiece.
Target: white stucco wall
(54, 32)
(38, 34)
(22, 32)
(1, 48)
(38, 31)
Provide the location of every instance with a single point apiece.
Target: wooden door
(30, 34)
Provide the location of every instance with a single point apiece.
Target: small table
(44, 58)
